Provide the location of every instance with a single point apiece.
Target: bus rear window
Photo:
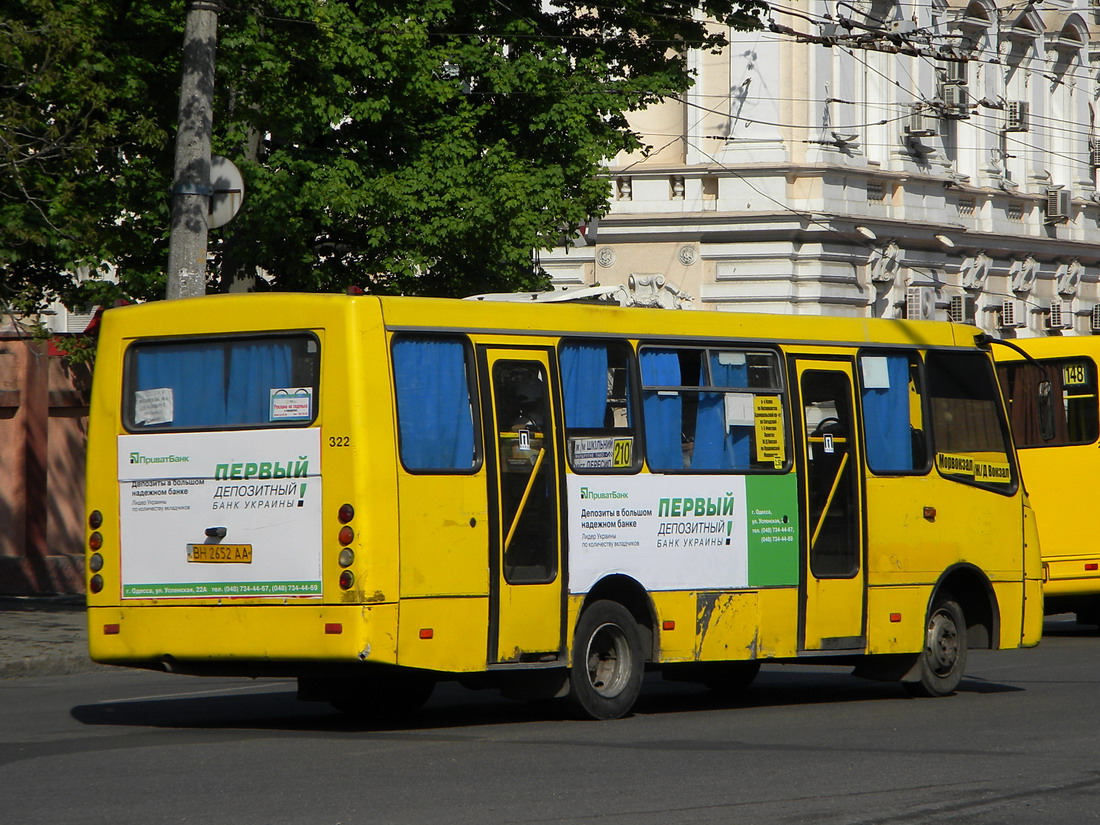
(224, 383)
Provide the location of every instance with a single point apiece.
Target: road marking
(241, 689)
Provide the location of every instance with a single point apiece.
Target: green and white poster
(684, 532)
(221, 515)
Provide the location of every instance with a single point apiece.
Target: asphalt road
(1017, 744)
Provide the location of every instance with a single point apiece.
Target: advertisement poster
(220, 515)
(684, 532)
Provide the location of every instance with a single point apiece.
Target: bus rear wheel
(607, 668)
(943, 660)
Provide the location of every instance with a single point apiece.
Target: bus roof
(226, 314)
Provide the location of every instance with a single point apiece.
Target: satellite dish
(228, 186)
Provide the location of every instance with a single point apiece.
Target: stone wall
(43, 427)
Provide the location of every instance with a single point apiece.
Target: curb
(43, 635)
(63, 665)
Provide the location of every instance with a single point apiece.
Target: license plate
(225, 553)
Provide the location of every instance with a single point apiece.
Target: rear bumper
(245, 640)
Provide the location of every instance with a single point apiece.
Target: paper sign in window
(739, 409)
(153, 406)
(291, 403)
(876, 373)
(769, 430)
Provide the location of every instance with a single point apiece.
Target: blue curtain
(717, 447)
(886, 420)
(255, 369)
(434, 415)
(196, 375)
(663, 413)
(584, 384)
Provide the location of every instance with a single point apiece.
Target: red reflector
(333, 628)
(669, 625)
(1092, 566)
(930, 513)
(895, 617)
(111, 629)
(426, 633)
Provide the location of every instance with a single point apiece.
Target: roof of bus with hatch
(1051, 346)
(226, 314)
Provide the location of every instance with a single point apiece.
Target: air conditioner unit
(956, 101)
(920, 303)
(956, 71)
(961, 309)
(1013, 314)
(1060, 316)
(1016, 116)
(922, 121)
(1059, 205)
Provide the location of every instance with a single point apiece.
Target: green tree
(406, 147)
(86, 123)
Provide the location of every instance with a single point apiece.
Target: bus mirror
(1046, 412)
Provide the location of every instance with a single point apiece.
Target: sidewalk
(43, 636)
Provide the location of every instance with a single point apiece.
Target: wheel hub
(943, 643)
(608, 660)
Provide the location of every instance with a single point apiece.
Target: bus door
(832, 564)
(526, 597)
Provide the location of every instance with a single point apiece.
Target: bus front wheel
(607, 664)
(943, 660)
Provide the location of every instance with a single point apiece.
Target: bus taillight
(346, 536)
(95, 543)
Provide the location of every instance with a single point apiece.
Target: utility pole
(191, 188)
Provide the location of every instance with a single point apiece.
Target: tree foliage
(406, 147)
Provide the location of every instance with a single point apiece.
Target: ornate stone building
(870, 158)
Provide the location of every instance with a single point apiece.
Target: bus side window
(893, 414)
(432, 378)
(968, 429)
(712, 410)
(1073, 390)
(597, 388)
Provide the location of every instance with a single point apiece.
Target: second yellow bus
(1051, 388)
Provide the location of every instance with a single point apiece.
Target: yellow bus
(1050, 385)
(375, 494)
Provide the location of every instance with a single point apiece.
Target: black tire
(943, 659)
(729, 680)
(607, 664)
(382, 695)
